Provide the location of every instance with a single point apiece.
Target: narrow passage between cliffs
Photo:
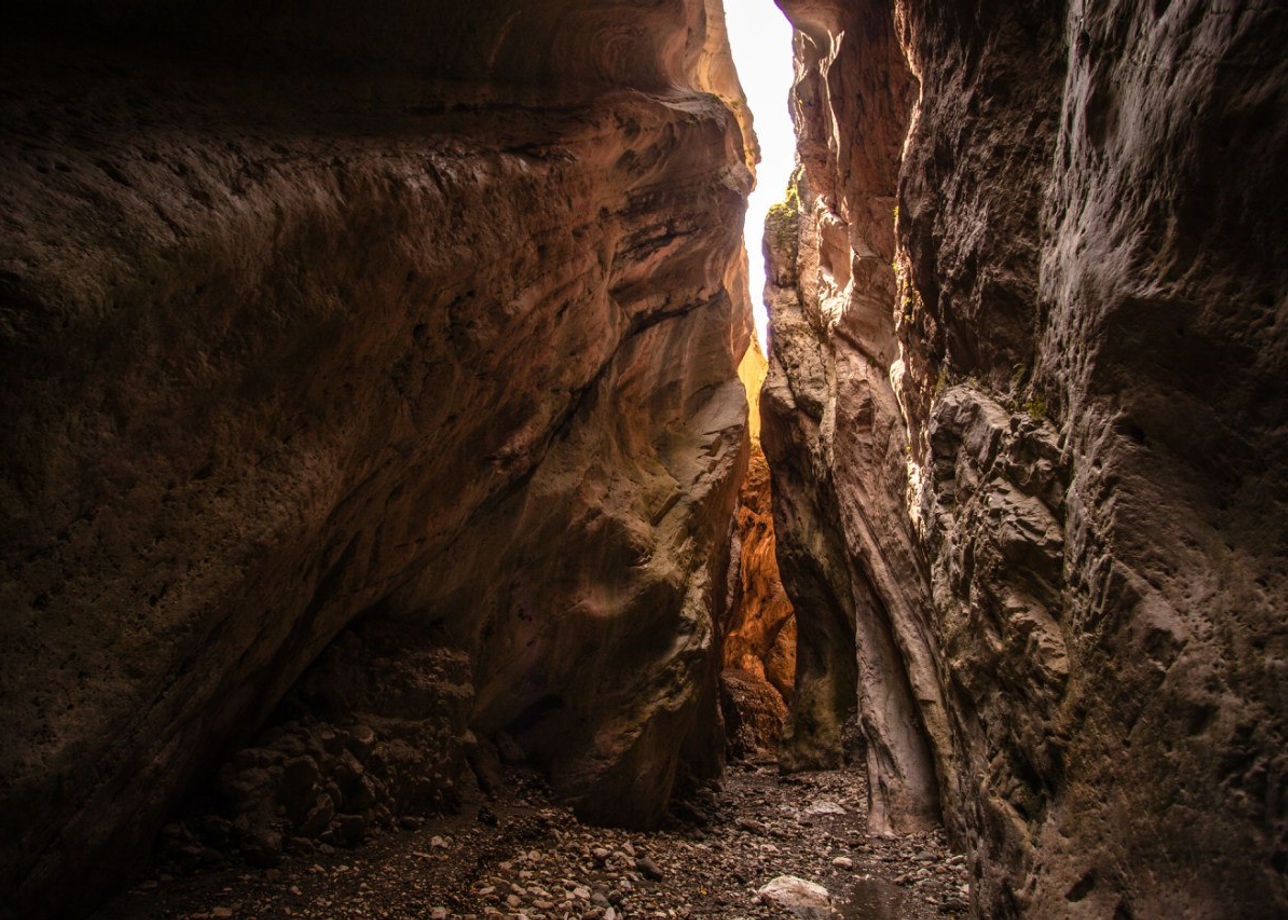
(785, 832)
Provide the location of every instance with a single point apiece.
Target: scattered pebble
(824, 807)
(648, 868)
(537, 862)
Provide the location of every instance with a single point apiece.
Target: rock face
(306, 314)
(1069, 591)
(761, 639)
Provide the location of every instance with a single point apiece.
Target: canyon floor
(520, 856)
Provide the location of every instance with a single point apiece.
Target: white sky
(761, 39)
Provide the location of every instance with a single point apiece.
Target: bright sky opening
(761, 39)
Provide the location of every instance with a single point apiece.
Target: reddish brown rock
(305, 314)
(761, 636)
(754, 714)
(760, 633)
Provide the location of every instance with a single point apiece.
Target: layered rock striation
(1040, 254)
(308, 315)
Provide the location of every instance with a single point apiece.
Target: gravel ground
(523, 857)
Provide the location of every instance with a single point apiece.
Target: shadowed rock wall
(1087, 344)
(308, 310)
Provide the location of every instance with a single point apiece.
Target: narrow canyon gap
(758, 680)
(380, 363)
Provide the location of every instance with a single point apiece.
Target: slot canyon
(399, 517)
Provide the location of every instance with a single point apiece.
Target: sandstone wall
(308, 310)
(1089, 317)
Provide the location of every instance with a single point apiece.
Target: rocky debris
(754, 715)
(374, 734)
(538, 861)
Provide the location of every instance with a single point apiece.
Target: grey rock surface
(1085, 353)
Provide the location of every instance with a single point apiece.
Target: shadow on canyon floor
(521, 856)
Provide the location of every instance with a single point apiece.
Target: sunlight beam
(761, 39)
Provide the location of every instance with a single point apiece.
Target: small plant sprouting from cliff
(907, 296)
(792, 198)
(1036, 405)
(909, 308)
(782, 222)
(782, 211)
(794, 186)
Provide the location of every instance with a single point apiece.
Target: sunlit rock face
(762, 634)
(307, 312)
(1085, 333)
(759, 649)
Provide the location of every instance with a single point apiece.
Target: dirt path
(523, 857)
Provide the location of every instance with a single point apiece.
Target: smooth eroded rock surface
(833, 431)
(306, 312)
(805, 899)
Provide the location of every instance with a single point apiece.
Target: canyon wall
(1026, 420)
(311, 315)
